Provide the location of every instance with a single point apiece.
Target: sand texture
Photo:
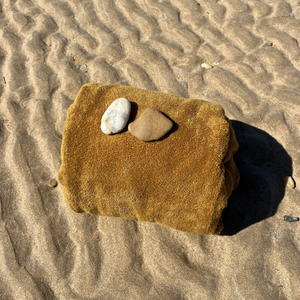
(49, 49)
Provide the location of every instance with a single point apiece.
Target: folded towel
(182, 181)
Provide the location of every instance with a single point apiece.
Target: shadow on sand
(262, 163)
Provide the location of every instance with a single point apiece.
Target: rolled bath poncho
(182, 181)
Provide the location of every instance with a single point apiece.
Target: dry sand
(49, 49)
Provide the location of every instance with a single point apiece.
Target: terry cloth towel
(182, 181)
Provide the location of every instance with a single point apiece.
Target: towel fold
(182, 181)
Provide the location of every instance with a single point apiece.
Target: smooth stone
(151, 125)
(206, 66)
(116, 116)
(184, 84)
(289, 182)
(269, 43)
(52, 183)
(290, 219)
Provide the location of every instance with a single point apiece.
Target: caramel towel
(182, 181)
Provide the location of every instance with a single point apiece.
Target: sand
(49, 49)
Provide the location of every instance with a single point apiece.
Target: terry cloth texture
(182, 181)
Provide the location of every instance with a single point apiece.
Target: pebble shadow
(174, 128)
(132, 117)
(262, 163)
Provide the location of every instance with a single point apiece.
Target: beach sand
(49, 49)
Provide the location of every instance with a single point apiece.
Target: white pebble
(289, 182)
(206, 66)
(116, 116)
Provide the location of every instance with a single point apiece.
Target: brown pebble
(52, 183)
(151, 125)
(289, 182)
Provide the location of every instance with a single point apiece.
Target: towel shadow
(262, 163)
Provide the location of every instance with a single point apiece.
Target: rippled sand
(49, 49)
